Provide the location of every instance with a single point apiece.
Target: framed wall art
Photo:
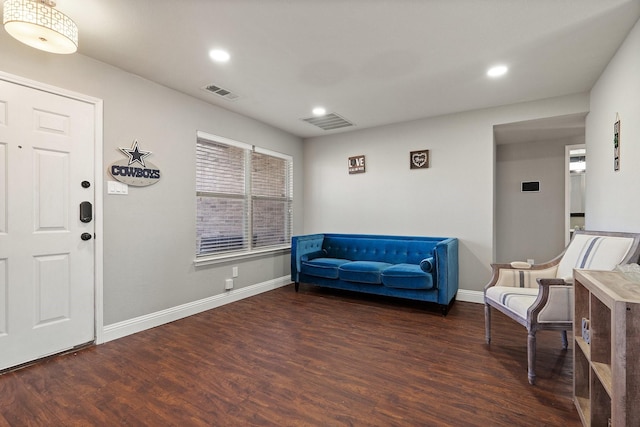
(616, 144)
(419, 159)
(356, 164)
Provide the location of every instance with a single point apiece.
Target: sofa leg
(296, 286)
(445, 309)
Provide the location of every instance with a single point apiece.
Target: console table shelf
(606, 373)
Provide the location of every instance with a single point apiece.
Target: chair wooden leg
(487, 323)
(565, 343)
(531, 357)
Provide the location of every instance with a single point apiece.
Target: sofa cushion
(362, 271)
(407, 276)
(322, 267)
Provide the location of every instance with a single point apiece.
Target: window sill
(240, 256)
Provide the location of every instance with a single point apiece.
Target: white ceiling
(374, 62)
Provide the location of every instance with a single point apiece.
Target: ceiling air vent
(329, 121)
(221, 92)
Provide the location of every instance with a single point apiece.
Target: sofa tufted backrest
(393, 251)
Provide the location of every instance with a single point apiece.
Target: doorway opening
(534, 225)
(576, 171)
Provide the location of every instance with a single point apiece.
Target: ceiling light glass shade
(39, 25)
(497, 71)
(219, 55)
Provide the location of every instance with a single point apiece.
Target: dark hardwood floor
(313, 358)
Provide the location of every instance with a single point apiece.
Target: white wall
(149, 235)
(530, 225)
(613, 198)
(454, 197)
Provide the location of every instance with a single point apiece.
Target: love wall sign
(419, 159)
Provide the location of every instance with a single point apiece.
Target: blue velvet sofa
(413, 267)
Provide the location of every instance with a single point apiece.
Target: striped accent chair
(540, 296)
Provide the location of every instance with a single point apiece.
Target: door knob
(85, 236)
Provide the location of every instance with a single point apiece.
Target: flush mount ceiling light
(319, 111)
(39, 25)
(219, 55)
(497, 71)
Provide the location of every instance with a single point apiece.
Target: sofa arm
(312, 255)
(300, 246)
(446, 269)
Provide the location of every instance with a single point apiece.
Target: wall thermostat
(530, 186)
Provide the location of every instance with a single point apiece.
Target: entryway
(47, 225)
(532, 186)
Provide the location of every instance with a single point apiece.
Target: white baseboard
(139, 324)
(470, 296)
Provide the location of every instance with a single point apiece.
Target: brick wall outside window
(244, 198)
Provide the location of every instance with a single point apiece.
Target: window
(244, 197)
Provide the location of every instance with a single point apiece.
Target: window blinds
(244, 197)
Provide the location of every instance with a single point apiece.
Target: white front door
(46, 268)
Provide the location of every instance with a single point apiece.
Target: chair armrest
(554, 303)
(546, 282)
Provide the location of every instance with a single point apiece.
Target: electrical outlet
(530, 261)
(228, 284)
(235, 271)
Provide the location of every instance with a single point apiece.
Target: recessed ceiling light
(497, 71)
(219, 55)
(319, 111)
